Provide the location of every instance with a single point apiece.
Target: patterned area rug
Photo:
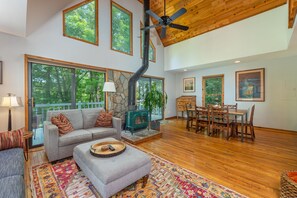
(64, 179)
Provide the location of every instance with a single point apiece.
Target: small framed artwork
(1, 73)
(189, 84)
(250, 85)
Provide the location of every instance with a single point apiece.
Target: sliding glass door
(56, 88)
(213, 90)
(142, 87)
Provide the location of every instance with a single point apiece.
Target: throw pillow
(12, 139)
(63, 124)
(104, 119)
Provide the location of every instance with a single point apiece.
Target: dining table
(238, 113)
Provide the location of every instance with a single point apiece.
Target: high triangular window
(81, 22)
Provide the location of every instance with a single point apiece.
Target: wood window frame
(131, 27)
(96, 21)
(151, 43)
(203, 86)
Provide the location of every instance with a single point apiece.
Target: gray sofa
(12, 173)
(83, 121)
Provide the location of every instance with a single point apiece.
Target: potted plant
(154, 99)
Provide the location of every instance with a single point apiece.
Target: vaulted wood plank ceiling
(206, 15)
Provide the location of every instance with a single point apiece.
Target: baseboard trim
(277, 130)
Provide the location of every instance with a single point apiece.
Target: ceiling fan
(165, 20)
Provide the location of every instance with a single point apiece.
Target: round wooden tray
(96, 151)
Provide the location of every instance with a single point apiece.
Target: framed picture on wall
(1, 73)
(250, 85)
(189, 84)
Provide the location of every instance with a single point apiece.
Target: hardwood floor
(250, 168)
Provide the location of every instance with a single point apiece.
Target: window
(213, 90)
(152, 49)
(81, 22)
(121, 29)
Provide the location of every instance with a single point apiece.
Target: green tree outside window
(121, 29)
(81, 22)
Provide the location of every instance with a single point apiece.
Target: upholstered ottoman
(112, 174)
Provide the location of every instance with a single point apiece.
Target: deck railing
(40, 110)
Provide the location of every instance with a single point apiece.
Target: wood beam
(292, 12)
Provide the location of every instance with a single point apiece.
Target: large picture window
(121, 29)
(81, 22)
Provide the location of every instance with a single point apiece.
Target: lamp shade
(109, 87)
(11, 101)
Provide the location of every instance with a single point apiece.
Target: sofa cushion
(75, 137)
(73, 115)
(11, 139)
(12, 187)
(104, 119)
(11, 162)
(101, 132)
(62, 123)
(90, 117)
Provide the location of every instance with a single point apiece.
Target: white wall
(264, 33)
(48, 41)
(280, 107)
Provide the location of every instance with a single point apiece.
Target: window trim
(131, 27)
(151, 43)
(96, 21)
(203, 86)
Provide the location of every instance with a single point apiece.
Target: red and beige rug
(64, 179)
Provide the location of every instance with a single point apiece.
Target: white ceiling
(13, 17)
(22, 17)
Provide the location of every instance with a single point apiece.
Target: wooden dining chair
(249, 131)
(190, 116)
(202, 119)
(220, 121)
(232, 118)
(230, 106)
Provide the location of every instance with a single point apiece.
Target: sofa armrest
(117, 124)
(51, 140)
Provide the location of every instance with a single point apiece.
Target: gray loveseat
(83, 121)
(12, 173)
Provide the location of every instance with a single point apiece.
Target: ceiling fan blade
(152, 26)
(177, 26)
(151, 13)
(163, 32)
(178, 13)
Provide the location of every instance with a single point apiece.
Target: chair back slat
(252, 114)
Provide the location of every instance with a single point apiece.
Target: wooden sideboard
(181, 103)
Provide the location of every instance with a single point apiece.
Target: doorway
(212, 90)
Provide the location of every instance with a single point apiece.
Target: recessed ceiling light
(185, 70)
(237, 61)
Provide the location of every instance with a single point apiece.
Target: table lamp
(109, 87)
(10, 101)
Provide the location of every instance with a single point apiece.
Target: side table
(26, 136)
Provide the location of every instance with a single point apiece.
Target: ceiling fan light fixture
(165, 20)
